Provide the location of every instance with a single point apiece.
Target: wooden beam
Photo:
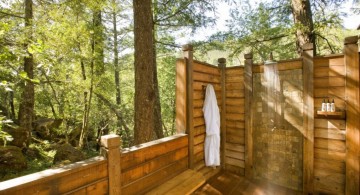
(248, 82)
(180, 96)
(308, 116)
(188, 56)
(352, 115)
(111, 144)
(222, 66)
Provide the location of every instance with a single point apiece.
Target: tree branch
(12, 15)
(327, 41)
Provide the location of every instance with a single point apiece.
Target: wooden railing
(132, 170)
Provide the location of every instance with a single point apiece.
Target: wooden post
(222, 66)
(111, 144)
(180, 96)
(308, 116)
(248, 83)
(188, 56)
(352, 114)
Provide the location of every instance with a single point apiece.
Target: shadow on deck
(229, 183)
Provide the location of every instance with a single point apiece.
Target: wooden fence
(142, 168)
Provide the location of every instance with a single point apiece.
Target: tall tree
(26, 109)
(301, 11)
(144, 72)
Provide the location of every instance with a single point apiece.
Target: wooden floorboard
(229, 183)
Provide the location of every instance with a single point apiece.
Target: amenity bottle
(332, 106)
(328, 106)
(323, 106)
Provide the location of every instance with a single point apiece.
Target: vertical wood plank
(248, 82)
(352, 115)
(222, 66)
(111, 144)
(308, 116)
(188, 56)
(180, 96)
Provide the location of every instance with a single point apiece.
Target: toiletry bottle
(332, 106)
(323, 106)
(328, 106)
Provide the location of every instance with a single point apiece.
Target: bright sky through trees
(350, 21)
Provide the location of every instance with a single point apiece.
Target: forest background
(73, 70)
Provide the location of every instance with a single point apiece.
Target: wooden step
(184, 183)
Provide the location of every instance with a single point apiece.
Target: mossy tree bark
(26, 108)
(145, 70)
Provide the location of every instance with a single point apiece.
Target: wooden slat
(235, 147)
(235, 154)
(199, 130)
(330, 124)
(238, 71)
(328, 144)
(235, 162)
(330, 93)
(153, 165)
(199, 86)
(281, 66)
(235, 124)
(329, 71)
(327, 181)
(150, 181)
(329, 61)
(234, 101)
(61, 180)
(239, 117)
(184, 183)
(234, 86)
(235, 94)
(139, 154)
(329, 82)
(330, 134)
(236, 110)
(203, 77)
(199, 139)
(234, 79)
(329, 155)
(206, 68)
(332, 166)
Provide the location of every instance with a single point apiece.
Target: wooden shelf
(332, 115)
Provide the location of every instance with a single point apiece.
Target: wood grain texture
(352, 120)
(308, 120)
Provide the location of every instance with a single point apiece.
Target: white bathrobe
(212, 122)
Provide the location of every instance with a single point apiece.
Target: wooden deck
(228, 183)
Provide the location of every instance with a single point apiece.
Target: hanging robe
(212, 123)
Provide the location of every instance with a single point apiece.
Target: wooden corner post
(222, 67)
(351, 52)
(111, 145)
(188, 56)
(308, 118)
(248, 83)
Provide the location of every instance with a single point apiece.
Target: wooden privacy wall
(151, 164)
(329, 133)
(85, 177)
(235, 116)
(202, 74)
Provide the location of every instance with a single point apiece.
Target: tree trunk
(116, 58)
(303, 21)
(145, 93)
(157, 109)
(26, 108)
